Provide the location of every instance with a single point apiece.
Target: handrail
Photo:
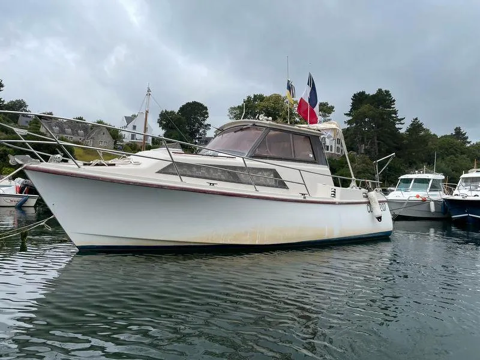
(164, 140)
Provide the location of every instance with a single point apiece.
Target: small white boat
(259, 183)
(15, 194)
(464, 203)
(420, 196)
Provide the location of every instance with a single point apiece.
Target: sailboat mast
(145, 126)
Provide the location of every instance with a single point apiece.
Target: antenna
(243, 111)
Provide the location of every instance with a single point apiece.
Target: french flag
(308, 102)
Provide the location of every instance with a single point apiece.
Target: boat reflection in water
(12, 218)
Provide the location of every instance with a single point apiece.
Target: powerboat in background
(419, 196)
(464, 203)
(17, 193)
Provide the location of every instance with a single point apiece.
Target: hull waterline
(100, 214)
(417, 209)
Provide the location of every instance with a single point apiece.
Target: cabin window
(287, 146)
(469, 184)
(420, 184)
(436, 185)
(236, 141)
(404, 184)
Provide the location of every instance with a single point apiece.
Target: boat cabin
(268, 141)
(422, 183)
(469, 184)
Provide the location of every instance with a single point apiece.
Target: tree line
(374, 129)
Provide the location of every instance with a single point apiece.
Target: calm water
(416, 296)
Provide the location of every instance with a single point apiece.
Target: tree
(14, 105)
(374, 123)
(195, 115)
(325, 110)
(460, 135)
(1, 89)
(419, 145)
(174, 125)
(83, 119)
(274, 106)
(250, 105)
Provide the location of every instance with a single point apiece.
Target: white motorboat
(259, 183)
(14, 193)
(418, 195)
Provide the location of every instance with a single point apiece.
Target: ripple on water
(414, 296)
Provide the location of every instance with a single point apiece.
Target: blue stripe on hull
(464, 210)
(226, 247)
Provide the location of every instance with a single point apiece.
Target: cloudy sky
(95, 57)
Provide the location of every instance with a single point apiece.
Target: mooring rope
(18, 231)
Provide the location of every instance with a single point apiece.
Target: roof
(128, 119)
(67, 127)
(471, 173)
(306, 129)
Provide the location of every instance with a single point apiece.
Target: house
(96, 136)
(24, 120)
(135, 123)
(333, 146)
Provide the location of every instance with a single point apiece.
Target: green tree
(460, 135)
(174, 125)
(419, 145)
(14, 105)
(325, 110)
(250, 105)
(2, 102)
(374, 123)
(195, 115)
(83, 119)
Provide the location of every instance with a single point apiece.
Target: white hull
(11, 200)
(417, 209)
(111, 214)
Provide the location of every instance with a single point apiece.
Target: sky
(95, 58)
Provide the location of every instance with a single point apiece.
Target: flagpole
(288, 102)
(308, 100)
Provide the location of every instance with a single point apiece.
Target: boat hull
(12, 200)
(417, 209)
(103, 214)
(464, 209)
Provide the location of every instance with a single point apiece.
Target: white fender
(372, 197)
(432, 206)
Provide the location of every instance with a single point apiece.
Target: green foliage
(374, 123)
(325, 110)
(174, 125)
(274, 106)
(195, 115)
(82, 118)
(460, 135)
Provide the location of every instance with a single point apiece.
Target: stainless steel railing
(61, 144)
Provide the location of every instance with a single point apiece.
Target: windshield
(420, 184)
(236, 141)
(469, 184)
(404, 184)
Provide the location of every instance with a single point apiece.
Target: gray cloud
(95, 58)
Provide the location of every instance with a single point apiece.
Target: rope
(16, 232)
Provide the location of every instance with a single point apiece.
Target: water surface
(415, 296)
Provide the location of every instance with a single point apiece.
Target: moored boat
(259, 183)
(464, 204)
(418, 195)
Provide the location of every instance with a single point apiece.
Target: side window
(302, 147)
(283, 145)
(276, 145)
(436, 185)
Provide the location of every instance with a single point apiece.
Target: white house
(333, 146)
(135, 124)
